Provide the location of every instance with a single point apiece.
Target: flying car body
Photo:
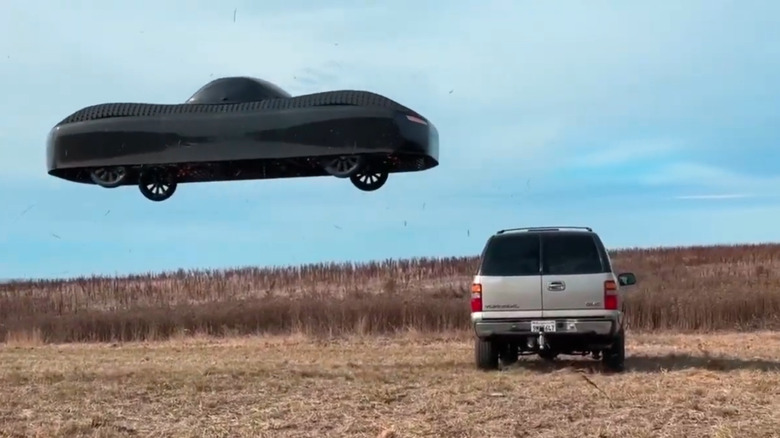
(240, 128)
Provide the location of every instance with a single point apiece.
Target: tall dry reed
(698, 288)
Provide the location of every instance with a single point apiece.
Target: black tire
(509, 354)
(614, 358)
(485, 354)
(157, 184)
(109, 177)
(343, 166)
(369, 180)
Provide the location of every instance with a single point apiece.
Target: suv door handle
(556, 285)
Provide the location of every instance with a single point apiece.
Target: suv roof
(546, 229)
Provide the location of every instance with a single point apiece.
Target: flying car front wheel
(109, 177)
(157, 184)
(343, 166)
(369, 180)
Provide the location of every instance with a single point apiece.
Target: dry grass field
(383, 349)
(690, 289)
(411, 385)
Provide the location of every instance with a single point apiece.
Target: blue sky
(654, 122)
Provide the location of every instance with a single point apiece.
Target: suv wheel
(486, 354)
(614, 358)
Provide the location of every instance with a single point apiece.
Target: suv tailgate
(510, 275)
(574, 269)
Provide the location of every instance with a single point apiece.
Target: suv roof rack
(553, 228)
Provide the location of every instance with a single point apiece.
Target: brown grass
(689, 289)
(716, 385)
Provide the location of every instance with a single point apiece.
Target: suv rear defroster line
(547, 291)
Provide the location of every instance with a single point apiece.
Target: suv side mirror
(626, 279)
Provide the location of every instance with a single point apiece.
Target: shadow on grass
(672, 362)
(654, 364)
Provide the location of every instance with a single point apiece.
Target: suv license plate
(542, 326)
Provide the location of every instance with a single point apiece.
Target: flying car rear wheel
(157, 184)
(343, 166)
(109, 177)
(369, 180)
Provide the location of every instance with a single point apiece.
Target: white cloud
(716, 197)
(520, 146)
(709, 178)
(631, 151)
(695, 173)
(532, 56)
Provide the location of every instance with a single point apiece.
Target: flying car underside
(338, 133)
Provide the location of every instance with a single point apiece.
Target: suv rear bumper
(563, 326)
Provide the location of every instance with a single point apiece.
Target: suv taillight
(610, 295)
(476, 297)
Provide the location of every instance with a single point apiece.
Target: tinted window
(512, 254)
(570, 254)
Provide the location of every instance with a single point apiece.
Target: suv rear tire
(486, 354)
(614, 358)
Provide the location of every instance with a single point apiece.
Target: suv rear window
(511, 255)
(571, 254)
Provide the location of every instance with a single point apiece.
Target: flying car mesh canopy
(237, 90)
(128, 109)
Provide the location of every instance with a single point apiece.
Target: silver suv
(547, 291)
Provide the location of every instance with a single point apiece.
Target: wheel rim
(157, 185)
(158, 189)
(369, 181)
(344, 165)
(109, 176)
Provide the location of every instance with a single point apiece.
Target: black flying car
(241, 128)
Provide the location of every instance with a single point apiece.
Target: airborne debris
(27, 209)
(593, 384)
